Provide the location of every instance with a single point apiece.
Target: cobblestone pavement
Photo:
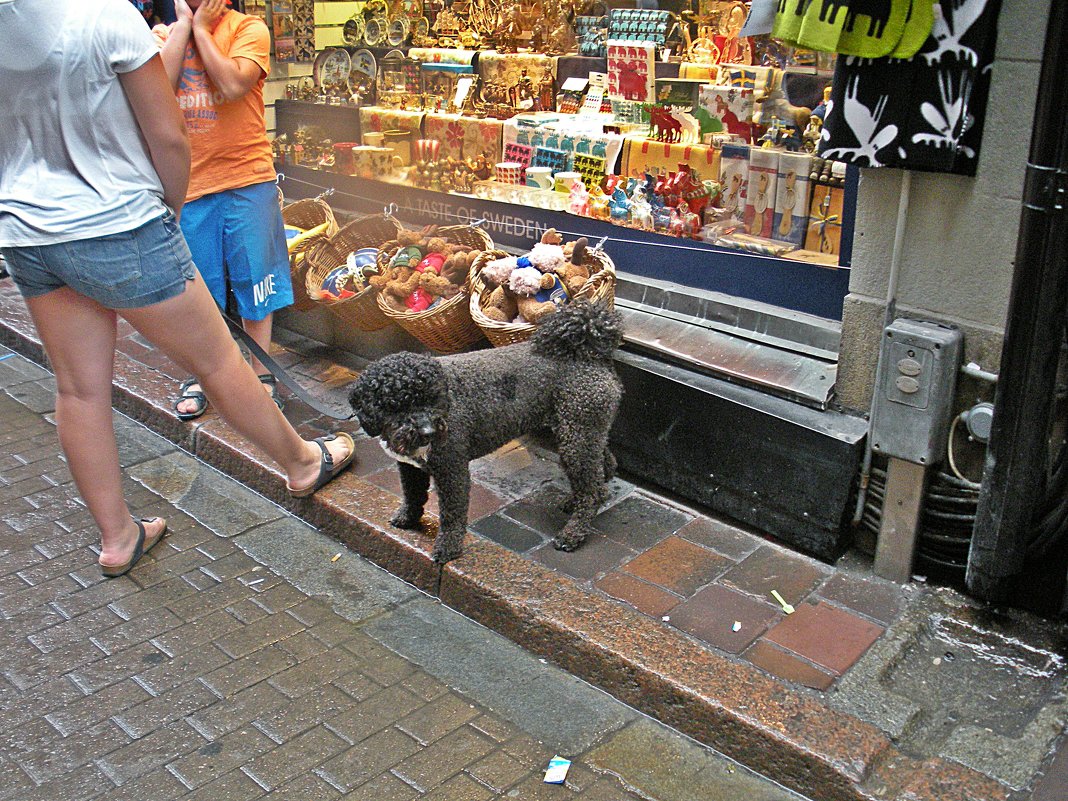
(245, 657)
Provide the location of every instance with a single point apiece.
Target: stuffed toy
(424, 270)
(529, 286)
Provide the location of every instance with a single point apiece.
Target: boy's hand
(209, 14)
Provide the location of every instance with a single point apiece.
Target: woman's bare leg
(228, 380)
(79, 337)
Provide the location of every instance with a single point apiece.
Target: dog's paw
(570, 538)
(443, 552)
(404, 518)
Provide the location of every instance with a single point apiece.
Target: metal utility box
(914, 391)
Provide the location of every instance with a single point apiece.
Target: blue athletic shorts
(238, 235)
(128, 270)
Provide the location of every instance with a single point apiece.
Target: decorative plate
(363, 72)
(374, 31)
(332, 67)
(352, 31)
(397, 32)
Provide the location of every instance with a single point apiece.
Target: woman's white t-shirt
(73, 162)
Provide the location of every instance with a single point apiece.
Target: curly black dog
(436, 414)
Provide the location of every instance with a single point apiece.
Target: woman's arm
(173, 50)
(161, 122)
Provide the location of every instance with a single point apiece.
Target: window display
(666, 125)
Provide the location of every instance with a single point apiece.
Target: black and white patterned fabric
(924, 113)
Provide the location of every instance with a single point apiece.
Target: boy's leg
(257, 261)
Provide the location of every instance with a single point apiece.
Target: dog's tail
(580, 331)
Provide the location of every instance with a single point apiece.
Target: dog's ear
(362, 403)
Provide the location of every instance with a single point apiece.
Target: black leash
(278, 372)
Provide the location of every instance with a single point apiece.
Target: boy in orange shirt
(217, 60)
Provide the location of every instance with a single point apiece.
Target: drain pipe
(888, 317)
(1015, 473)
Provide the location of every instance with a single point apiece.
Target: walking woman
(94, 167)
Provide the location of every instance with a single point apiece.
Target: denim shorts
(127, 270)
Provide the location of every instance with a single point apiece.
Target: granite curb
(763, 723)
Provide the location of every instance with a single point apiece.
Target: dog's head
(403, 399)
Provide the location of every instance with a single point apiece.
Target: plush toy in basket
(424, 271)
(524, 289)
(349, 279)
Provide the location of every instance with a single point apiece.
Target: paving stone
(309, 676)
(830, 637)
(880, 600)
(157, 785)
(710, 615)
(386, 787)
(97, 707)
(640, 522)
(506, 532)
(80, 784)
(138, 630)
(595, 557)
(647, 598)
(190, 636)
(289, 720)
(788, 666)
(35, 669)
(438, 718)
(253, 637)
(95, 596)
(434, 764)
(770, 568)
(377, 663)
(303, 752)
(172, 592)
(460, 788)
(367, 759)
(147, 753)
(189, 666)
(217, 758)
(541, 510)
(678, 565)
(308, 787)
(376, 713)
(195, 605)
(234, 786)
(424, 686)
(240, 673)
(303, 646)
(498, 771)
(246, 706)
(75, 631)
(175, 704)
(59, 755)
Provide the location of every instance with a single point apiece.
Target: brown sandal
(142, 547)
(328, 471)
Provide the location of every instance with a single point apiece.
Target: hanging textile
(923, 113)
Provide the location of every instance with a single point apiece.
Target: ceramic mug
(374, 162)
(509, 172)
(540, 177)
(343, 157)
(373, 138)
(565, 180)
(400, 142)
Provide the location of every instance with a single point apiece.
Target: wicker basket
(306, 215)
(373, 231)
(446, 328)
(600, 287)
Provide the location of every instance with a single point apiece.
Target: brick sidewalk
(207, 674)
(834, 699)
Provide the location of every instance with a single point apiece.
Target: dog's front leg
(416, 485)
(453, 485)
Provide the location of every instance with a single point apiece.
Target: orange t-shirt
(228, 139)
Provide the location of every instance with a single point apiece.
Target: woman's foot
(121, 552)
(328, 456)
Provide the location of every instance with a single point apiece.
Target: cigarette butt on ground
(336, 557)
